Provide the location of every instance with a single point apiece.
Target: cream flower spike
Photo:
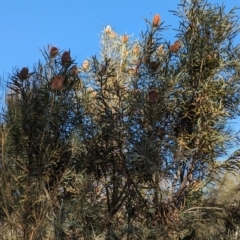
(161, 50)
(108, 29)
(85, 65)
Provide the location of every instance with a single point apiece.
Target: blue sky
(28, 25)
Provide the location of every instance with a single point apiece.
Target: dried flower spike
(153, 96)
(177, 42)
(57, 82)
(175, 47)
(23, 74)
(156, 20)
(66, 58)
(53, 52)
(74, 71)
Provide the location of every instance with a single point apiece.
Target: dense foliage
(127, 145)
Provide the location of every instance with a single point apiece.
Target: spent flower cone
(53, 52)
(57, 82)
(175, 47)
(66, 58)
(23, 73)
(74, 70)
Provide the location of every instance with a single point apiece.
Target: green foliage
(126, 147)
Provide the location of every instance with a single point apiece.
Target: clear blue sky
(27, 25)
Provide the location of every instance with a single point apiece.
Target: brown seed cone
(156, 20)
(153, 96)
(57, 82)
(66, 58)
(74, 71)
(53, 52)
(23, 74)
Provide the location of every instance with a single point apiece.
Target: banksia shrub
(23, 73)
(57, 83)
(66, 58)
(156, 20)
(144, 128)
